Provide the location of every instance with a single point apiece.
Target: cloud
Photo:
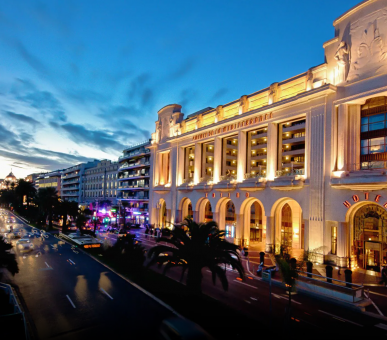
(218, 94)
(44, 101)
(31, 60)
(19, 118)
(101, 139)
(16, 148)
(182, 69)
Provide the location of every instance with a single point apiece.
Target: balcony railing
(131, 154)
(371, 165)
(129, 165)
(293, 172)
(255, 175)
(228, 178)
(208, 179)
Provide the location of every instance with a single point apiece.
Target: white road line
(72, 303)
(47, 265)
(104, 291)
(287, 298)
(341, 319)
(242, 283)
(71, 261)
(253, 299)
(378, 294)
(382, 326)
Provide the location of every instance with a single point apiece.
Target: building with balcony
(300, 164)
(99, 183)
(49, 179)
(72, 180)
(133, 182)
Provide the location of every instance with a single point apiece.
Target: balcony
(288, 180)
(226, 183)
(205, 184)
(253, 182)
(138, 153)
(187, 184)
(70, 175)
(294, 152)
(70, 181)
(134, 165)
(294, 128)
(162, 189)
(363, 176)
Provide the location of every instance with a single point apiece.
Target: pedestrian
(151, 232)
(146, 232)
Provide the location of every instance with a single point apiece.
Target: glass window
(334, 240)
(376, 118)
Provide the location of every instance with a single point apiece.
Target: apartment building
(133, 182)
(100, 183)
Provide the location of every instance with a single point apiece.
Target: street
(71, 296)
(309, 314)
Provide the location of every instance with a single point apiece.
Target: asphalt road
(314, 317)
(71, 296)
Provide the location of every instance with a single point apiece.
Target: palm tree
(205, 246)
(7, 260)
(47, 198)
(25, 188)
(67, 208)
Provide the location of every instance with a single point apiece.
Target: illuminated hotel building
(301, 163)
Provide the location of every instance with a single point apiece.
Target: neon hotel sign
(356, 198)
(234, 126)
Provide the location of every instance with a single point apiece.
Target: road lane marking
(253, 299)
(341, 319)
(382, 326)
(72, 261)
(104, 291)
(378, 294)
(242, 283)
(47, 265)
(287, 298)
(72, 303)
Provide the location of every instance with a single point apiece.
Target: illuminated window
(334, 240)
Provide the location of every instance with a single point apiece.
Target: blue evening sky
(84, 79)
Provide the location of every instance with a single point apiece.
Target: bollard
(262, 257)
(293, 263)
(329, 270)
(348, 277)
(309, 268)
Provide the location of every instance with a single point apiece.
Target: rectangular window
(334, 240)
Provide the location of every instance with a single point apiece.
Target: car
(122, 233)
(24, 244)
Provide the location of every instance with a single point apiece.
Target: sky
(83, 80)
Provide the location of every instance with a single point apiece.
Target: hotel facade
(301, 163)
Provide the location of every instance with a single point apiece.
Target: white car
(24, 244)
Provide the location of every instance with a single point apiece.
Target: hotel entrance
(369, 250)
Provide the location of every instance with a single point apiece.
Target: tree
(205, 246)
(289, 275)
(67, 208)
(47, 199)
(125, 204)
(7, 260)
(81, 221)
(25, 188)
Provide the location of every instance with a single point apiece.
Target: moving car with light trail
(24, 244)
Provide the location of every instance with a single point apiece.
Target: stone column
(198, 162)
(239, 232)
(272, 141)
(343, 244)
(241, 156)
(342, 137)
(354, 115)
(270, 247)
(217, 159)
(196, 216)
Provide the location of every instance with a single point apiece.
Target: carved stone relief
(273, 93)
(219, 113)
(243, 104)
(368, 54)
